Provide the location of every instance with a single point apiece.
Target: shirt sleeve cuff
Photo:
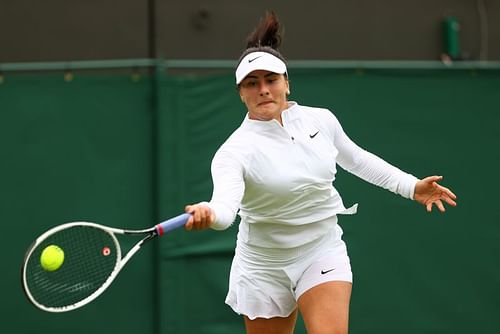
(407, 186)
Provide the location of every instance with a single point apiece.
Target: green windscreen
(127, 153)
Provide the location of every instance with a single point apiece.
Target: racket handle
(172, 223)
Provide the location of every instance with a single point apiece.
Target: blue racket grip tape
(172, 223)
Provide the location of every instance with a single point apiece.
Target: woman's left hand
(429, 192)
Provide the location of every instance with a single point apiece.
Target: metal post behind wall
(156, 73)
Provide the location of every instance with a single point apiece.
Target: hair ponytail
(266, 37)
(267, 33)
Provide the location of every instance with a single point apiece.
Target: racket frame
(150, 233)
(120, 263)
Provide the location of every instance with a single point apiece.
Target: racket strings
(90, 256)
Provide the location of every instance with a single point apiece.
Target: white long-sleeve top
(279, 177)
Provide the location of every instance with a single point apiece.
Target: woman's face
(265, 95)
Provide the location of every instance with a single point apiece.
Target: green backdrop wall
(129, 151)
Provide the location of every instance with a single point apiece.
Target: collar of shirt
(288, 115)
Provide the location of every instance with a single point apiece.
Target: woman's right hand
(201, 217)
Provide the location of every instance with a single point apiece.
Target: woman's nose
(263, 89)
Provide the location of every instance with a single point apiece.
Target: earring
(288, 92)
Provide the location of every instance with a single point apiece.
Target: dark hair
(265, 38)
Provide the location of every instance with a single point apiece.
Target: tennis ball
(52, 258)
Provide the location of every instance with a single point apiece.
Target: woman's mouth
(265, 103)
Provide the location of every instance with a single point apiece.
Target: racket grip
(172, 223)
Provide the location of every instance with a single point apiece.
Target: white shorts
(267, 282)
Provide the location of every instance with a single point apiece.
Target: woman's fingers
(201, 217)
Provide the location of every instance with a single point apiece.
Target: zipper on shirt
(292, 138)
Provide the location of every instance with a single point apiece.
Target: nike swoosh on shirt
(314, 135)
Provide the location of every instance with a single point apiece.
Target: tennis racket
(92, 260)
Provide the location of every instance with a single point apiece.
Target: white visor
(259, 61)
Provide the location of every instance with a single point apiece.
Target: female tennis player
(276, 171)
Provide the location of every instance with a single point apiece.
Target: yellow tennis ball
(52, 258)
